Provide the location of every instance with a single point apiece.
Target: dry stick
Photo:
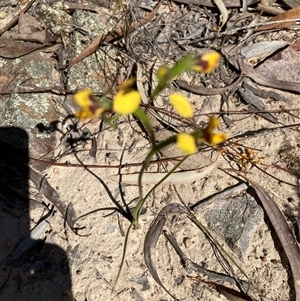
(14, 21)
(8, 82)
(113, 35)
(269, 9)
(54, 90)
(245, 135)
(291, 3)
(29, 241)
(75, 165)
(282, 229)
(53, 196)
(234, 31)
(225, 194)
(49, 192)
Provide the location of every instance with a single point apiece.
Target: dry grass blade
(283, 232)
(151, 240)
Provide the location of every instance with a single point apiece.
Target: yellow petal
(126, 102)
(84, 97)
(207, 62)
(182, 105)
(90, 106)
(213, 123)
(186, 143)
(218, 138)
(89, 113)
(83, 114)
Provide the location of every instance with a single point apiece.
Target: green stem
(123, 255)
(155, 150)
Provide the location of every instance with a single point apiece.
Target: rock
(54, 16)
(236, 219)
(98, 71)
(26, 111)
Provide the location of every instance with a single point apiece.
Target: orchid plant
(128, 101)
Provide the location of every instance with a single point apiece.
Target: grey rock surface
(34, 71)
(97, 71)
(236, 219)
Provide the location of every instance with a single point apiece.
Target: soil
(83, 264)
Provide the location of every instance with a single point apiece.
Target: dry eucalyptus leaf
(11, 49)
(291, 14)
(283, 232)
(36, 37)
(224, 12)
(151, 240)
(292, 3)
(28, 24)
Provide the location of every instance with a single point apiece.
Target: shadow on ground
(31, 269)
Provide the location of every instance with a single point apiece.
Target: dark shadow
(30, 268)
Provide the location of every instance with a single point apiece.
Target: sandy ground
(94, 256)
(95, 259)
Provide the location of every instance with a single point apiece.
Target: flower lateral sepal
(90, 106)
(208, 136)
(181, 105)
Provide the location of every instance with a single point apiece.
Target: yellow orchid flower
(127, 100)
(209, 136)
(90, 107)
(182, 105)
(186, 143)
(206, 62)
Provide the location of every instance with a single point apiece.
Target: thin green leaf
(140, 114)
(123, 255)
(139, 207)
